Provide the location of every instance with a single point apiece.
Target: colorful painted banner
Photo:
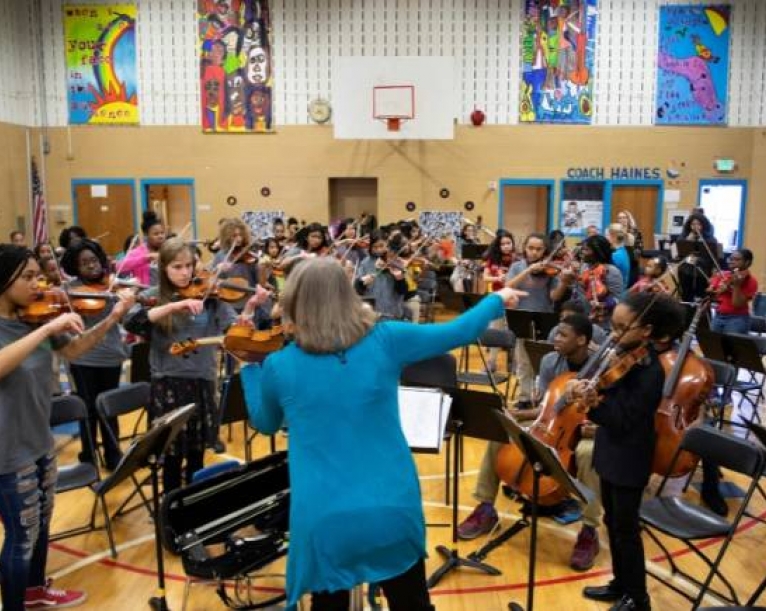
(557, 48)
(693, 65)
(102, 84)
(236, 75)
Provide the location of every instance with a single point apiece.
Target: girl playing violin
(97, 370)
(27, 460)
(382, 280)
(177, 381)
(654, 269)
(241, 262)
(500, 256)
(625, 438)
(142, 260)
(600, 284)
(733, 290)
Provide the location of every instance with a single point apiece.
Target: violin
(560, 420)
(204, 285)
(48, 304)
(246, 343)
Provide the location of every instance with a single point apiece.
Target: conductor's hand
(511, 296)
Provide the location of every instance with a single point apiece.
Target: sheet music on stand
(423, 413)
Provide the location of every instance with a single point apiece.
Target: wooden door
(349, 197)
(173, 204)
(641, 202)
(106, 212)
(525, 210)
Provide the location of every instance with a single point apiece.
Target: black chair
(76, 476)
(536, 350)
(725, 378)
(501, 339)
(759, 304)
(745, 354)
(689, 522)
(234, 410)
(711, 344)
(437, 372)
(122, 401)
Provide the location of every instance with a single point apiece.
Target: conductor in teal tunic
(356, 511)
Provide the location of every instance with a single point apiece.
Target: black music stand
(146, 451)
(473, 252)
(527, 324)
(544, 461)
(473, 414)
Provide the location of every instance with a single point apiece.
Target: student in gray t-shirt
(575, 307)
(529, 275)
(27, 463)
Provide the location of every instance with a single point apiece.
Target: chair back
(711, 344)
(233, 407)
(437, 372)
(123, 400)
(759, 304)
(724, 449)
(498, 338)
(66, 409)
(450, 299)
(744, 352)
(725, 373)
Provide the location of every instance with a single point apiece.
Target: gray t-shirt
(25, 400)
(387, 291)
(538, 287)
(110, 351)
(202, 363)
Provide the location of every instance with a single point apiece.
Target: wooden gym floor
(127, 583)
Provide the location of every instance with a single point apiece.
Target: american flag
(39, 209)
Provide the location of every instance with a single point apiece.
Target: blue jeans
(731, 323)
(26, 507)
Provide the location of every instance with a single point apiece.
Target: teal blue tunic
(356, 512)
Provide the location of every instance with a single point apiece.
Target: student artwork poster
(578, 215)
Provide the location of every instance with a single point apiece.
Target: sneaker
(585, 550)
(46, 597)
(481, 521)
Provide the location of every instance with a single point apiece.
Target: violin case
(231, 524)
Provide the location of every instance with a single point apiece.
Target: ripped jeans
(26, 507)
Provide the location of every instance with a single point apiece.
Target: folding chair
(725, 378)
(745, 354)
(759, 304)
(437, 372)
(70, 409)
(127, 399)
(679, 519)
(502, 339)
(234, 409)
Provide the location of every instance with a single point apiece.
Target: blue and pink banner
(693, 65)
(102, 83)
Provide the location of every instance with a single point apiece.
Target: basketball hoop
(393, 104)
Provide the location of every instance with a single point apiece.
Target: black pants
(405, 592)
(621, 506)
(89, 382)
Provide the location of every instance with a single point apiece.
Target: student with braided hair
(27, 462)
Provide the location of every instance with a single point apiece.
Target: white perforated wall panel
(482, 35)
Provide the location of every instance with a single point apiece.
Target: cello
(688, 381)
(558, 424)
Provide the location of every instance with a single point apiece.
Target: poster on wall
(557, 48)
(437, 224)
(261, 222)
(693, 65)
(102, 83)
(582, 206)
(236, 70)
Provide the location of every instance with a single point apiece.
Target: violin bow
(118, 271)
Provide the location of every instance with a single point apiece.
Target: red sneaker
(585, 550)
(46, 597)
